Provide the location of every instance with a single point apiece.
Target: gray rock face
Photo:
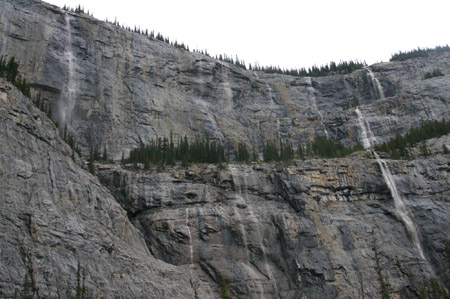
(129, 88)
(322, 228)
(55, 214)
(315, 228)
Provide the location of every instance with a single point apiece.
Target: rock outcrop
(129, 88)
(321, 228)
(55, 214)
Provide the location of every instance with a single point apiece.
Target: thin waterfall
(314, 102)
(269, 90)
(367, 136)
(66, 108)
(234, 174)
(379, 93)
(272, 107)
(400, 206)
(191, 249)
(245, 244)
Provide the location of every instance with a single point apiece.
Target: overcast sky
(287, 33)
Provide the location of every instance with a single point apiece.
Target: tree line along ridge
(342, 67)
(163, 151)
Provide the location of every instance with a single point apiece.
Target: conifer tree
(105, 155)
(26, 288)
(80, 290)
(91, 162)
(300, 152)
(12, 70)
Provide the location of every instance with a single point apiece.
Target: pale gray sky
(287, 33)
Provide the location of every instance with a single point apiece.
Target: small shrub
(434, 73)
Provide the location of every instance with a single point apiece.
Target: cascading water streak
(375, 84)
(194, 285)
(399, 204)
(400, 207)
(272, 107)
(255, 222)
(314, 102)
(365, 130)
(69, 95)
(191, 249)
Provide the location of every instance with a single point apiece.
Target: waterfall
(379, 93)
(400, 206)
(193, 283)
(269, 90)
(314, 103)
(272, 107)
(255, 222)
(367, 136)
(191, 249)
(236, 211)
(66, 108)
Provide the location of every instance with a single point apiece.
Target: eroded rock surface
(322, 228)
(315, 228)
(129, 88)
(55, 214)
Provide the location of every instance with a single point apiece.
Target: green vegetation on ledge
(343, 67)
(10, 71)
(434, 73)
(320, 147)
(397, 146)
(402, 56)
(163, 151)
(434, 288)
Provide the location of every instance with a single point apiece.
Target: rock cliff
(116, 88)
(321, 228)
(55, 214)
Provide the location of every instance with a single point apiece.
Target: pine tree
(91, 162)
(424, 149)
(26, 288)
(80, 291)
(223, 289)
(16, 294)
(96, 155)
(300, 152)
(12, 70)
(105, 155)
(242, 154)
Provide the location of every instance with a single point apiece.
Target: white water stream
(66, 108)
(367, 138)
(375, 84)
(272, 107)
(243, 196)
(191, 249)
(314, 103)
(269, 90)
